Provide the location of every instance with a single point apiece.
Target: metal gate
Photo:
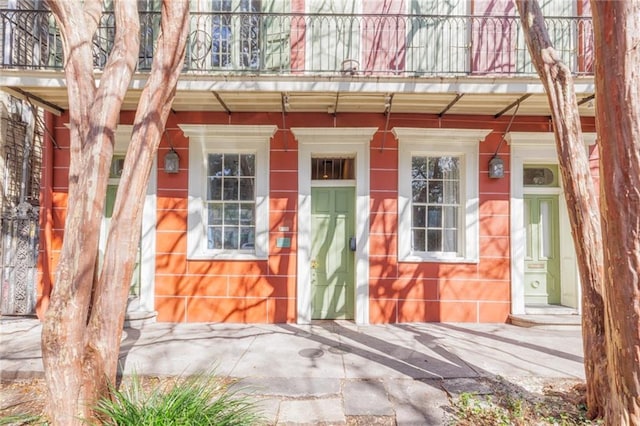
(21, 155)
(19, 260)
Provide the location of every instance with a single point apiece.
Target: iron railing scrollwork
(317, 44)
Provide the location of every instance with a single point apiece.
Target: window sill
(226, 256)
(415, 258)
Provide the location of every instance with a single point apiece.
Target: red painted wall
(265, 291)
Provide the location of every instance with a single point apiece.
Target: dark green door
(542, 258)
(332, 253)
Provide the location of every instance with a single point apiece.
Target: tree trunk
(107, 316)
(617, 60)
(93, 115)
(580, 196)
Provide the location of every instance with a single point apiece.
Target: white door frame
(146, 302)
(539, 148)
(333, 141)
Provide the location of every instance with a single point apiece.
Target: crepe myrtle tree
(83, 324)
(606, 232)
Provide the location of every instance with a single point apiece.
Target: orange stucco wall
(265, 291)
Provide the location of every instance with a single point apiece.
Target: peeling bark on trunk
(580, 195)
(107, 319)
(93, 115)
(83, 324)
(617, 61)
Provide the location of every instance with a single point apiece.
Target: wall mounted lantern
(496, 167)
(171, 162)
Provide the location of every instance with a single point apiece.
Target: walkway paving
(326, 372)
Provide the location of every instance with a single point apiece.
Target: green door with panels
(542, 257)
(332, 252)
(112, 189)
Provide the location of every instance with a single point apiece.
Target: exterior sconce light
(496, 167)
(171, 162)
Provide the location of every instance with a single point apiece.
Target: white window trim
(438, 142)
(205, 139)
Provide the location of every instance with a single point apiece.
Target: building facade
(376, 161)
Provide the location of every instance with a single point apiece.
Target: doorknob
(352, 243)
(314, 264)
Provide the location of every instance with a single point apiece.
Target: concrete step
(548, 322)
(549, 310)
(137, 319)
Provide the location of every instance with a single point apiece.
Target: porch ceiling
(436, 96)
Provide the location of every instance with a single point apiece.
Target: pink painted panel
(383, 36)
(493, 39)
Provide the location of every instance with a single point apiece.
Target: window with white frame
(435, 203)
(228, 191)
(231, 201)
(438, 194)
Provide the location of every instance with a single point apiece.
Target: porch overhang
(456, 95)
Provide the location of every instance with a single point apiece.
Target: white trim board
(539, 148)
(314, 141)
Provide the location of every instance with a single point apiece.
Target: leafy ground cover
(505, 401)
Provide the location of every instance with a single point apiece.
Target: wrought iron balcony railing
(317, 44)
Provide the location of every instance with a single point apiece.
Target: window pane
(434, 217)
(230, 189)
(231, 214)
(247, 240)
(419, 217)
(246, 189)
(451, 195)
(418, 240)
(450, 217)
(215, 214)
(450, 167)
(231, 237)
(231, 165)
(435, 192)
(419, 167)
(247, 214)
(323, 168)
(540, 176)
(247, 165)
(434, 240)
(419, 191)
(214, 190)
(214, 165)
(450, 240)
(214, 238)
(435, 172)
(250, 50)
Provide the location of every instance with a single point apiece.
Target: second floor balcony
(321, 54)
(317, 44)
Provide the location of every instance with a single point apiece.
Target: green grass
(22, 419)
(201, 399)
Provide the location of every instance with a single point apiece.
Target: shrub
(201, 399)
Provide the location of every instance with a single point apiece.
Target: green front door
(332, 252)
(542, 257)
(104, 229)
